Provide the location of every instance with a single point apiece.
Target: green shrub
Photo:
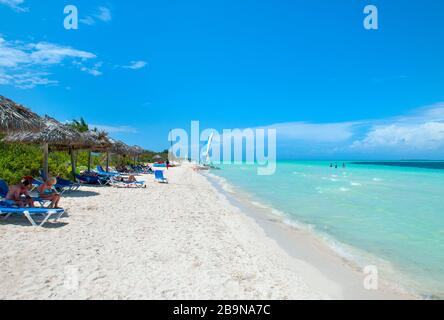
(17, 161)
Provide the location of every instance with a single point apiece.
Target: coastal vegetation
(18, 160)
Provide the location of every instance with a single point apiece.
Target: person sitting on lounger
(19, 194)
(47, 192)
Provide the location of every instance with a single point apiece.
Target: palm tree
(82, 126)
(79, 125)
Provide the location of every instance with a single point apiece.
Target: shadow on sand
(80, 194)
(23, 222)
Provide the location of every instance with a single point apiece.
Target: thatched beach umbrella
(136, 151)
(97, 141)
(139, 150)
(53, 133)
(120, 148)
(15, 117)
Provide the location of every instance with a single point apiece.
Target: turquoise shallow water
(393, 216)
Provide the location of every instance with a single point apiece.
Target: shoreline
(321, 266)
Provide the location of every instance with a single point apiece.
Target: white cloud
(426, 136)
(315, 132)
(135, 65)
(94, 70)
(21, 63)
(429, 113)
(27, 80)
(47, 53)
(103, 14)
(14, 4)
(88, 21)
(11, 56)
(114, 129)
(417, 134)
(15, 54)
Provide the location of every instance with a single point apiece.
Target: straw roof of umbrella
(54, 133)
(136, 150)
(97, 141)
(15, 117)
(119, 147)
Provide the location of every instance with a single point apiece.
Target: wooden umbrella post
(107, 161)
(45, 161)
(89, 161)
(73, 163)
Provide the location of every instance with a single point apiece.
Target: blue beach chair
(65, 185)
(4, 189)
(87, 179)
(100, 171)
(61, 186)
(8, 210)
(158, 176)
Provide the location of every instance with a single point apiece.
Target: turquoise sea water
(389, 216)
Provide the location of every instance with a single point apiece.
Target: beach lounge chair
(4, 189)
(36, 183)
(158, 176)
(64, 185)
(100, 171)
(139, 169)
(82, 179)
(61, 186)
(126, 184)
(93, 179)
(8, 210)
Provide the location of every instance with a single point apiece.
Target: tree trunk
(89, 161)
(107, 162)
(45, 161)
(73, 164)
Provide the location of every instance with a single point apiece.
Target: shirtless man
(19, 194)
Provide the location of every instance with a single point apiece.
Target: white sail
(207, 154)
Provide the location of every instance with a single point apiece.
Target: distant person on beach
(331, 165)
(167, 164)
(19, 194)
(130, 179)
(47, 192)
(336, 165)
(343, 165)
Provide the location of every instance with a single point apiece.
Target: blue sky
(309, 68)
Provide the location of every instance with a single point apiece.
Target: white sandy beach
(183, 240)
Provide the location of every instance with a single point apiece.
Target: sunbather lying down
(130, 179)
(19, 194)
(47, 192)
